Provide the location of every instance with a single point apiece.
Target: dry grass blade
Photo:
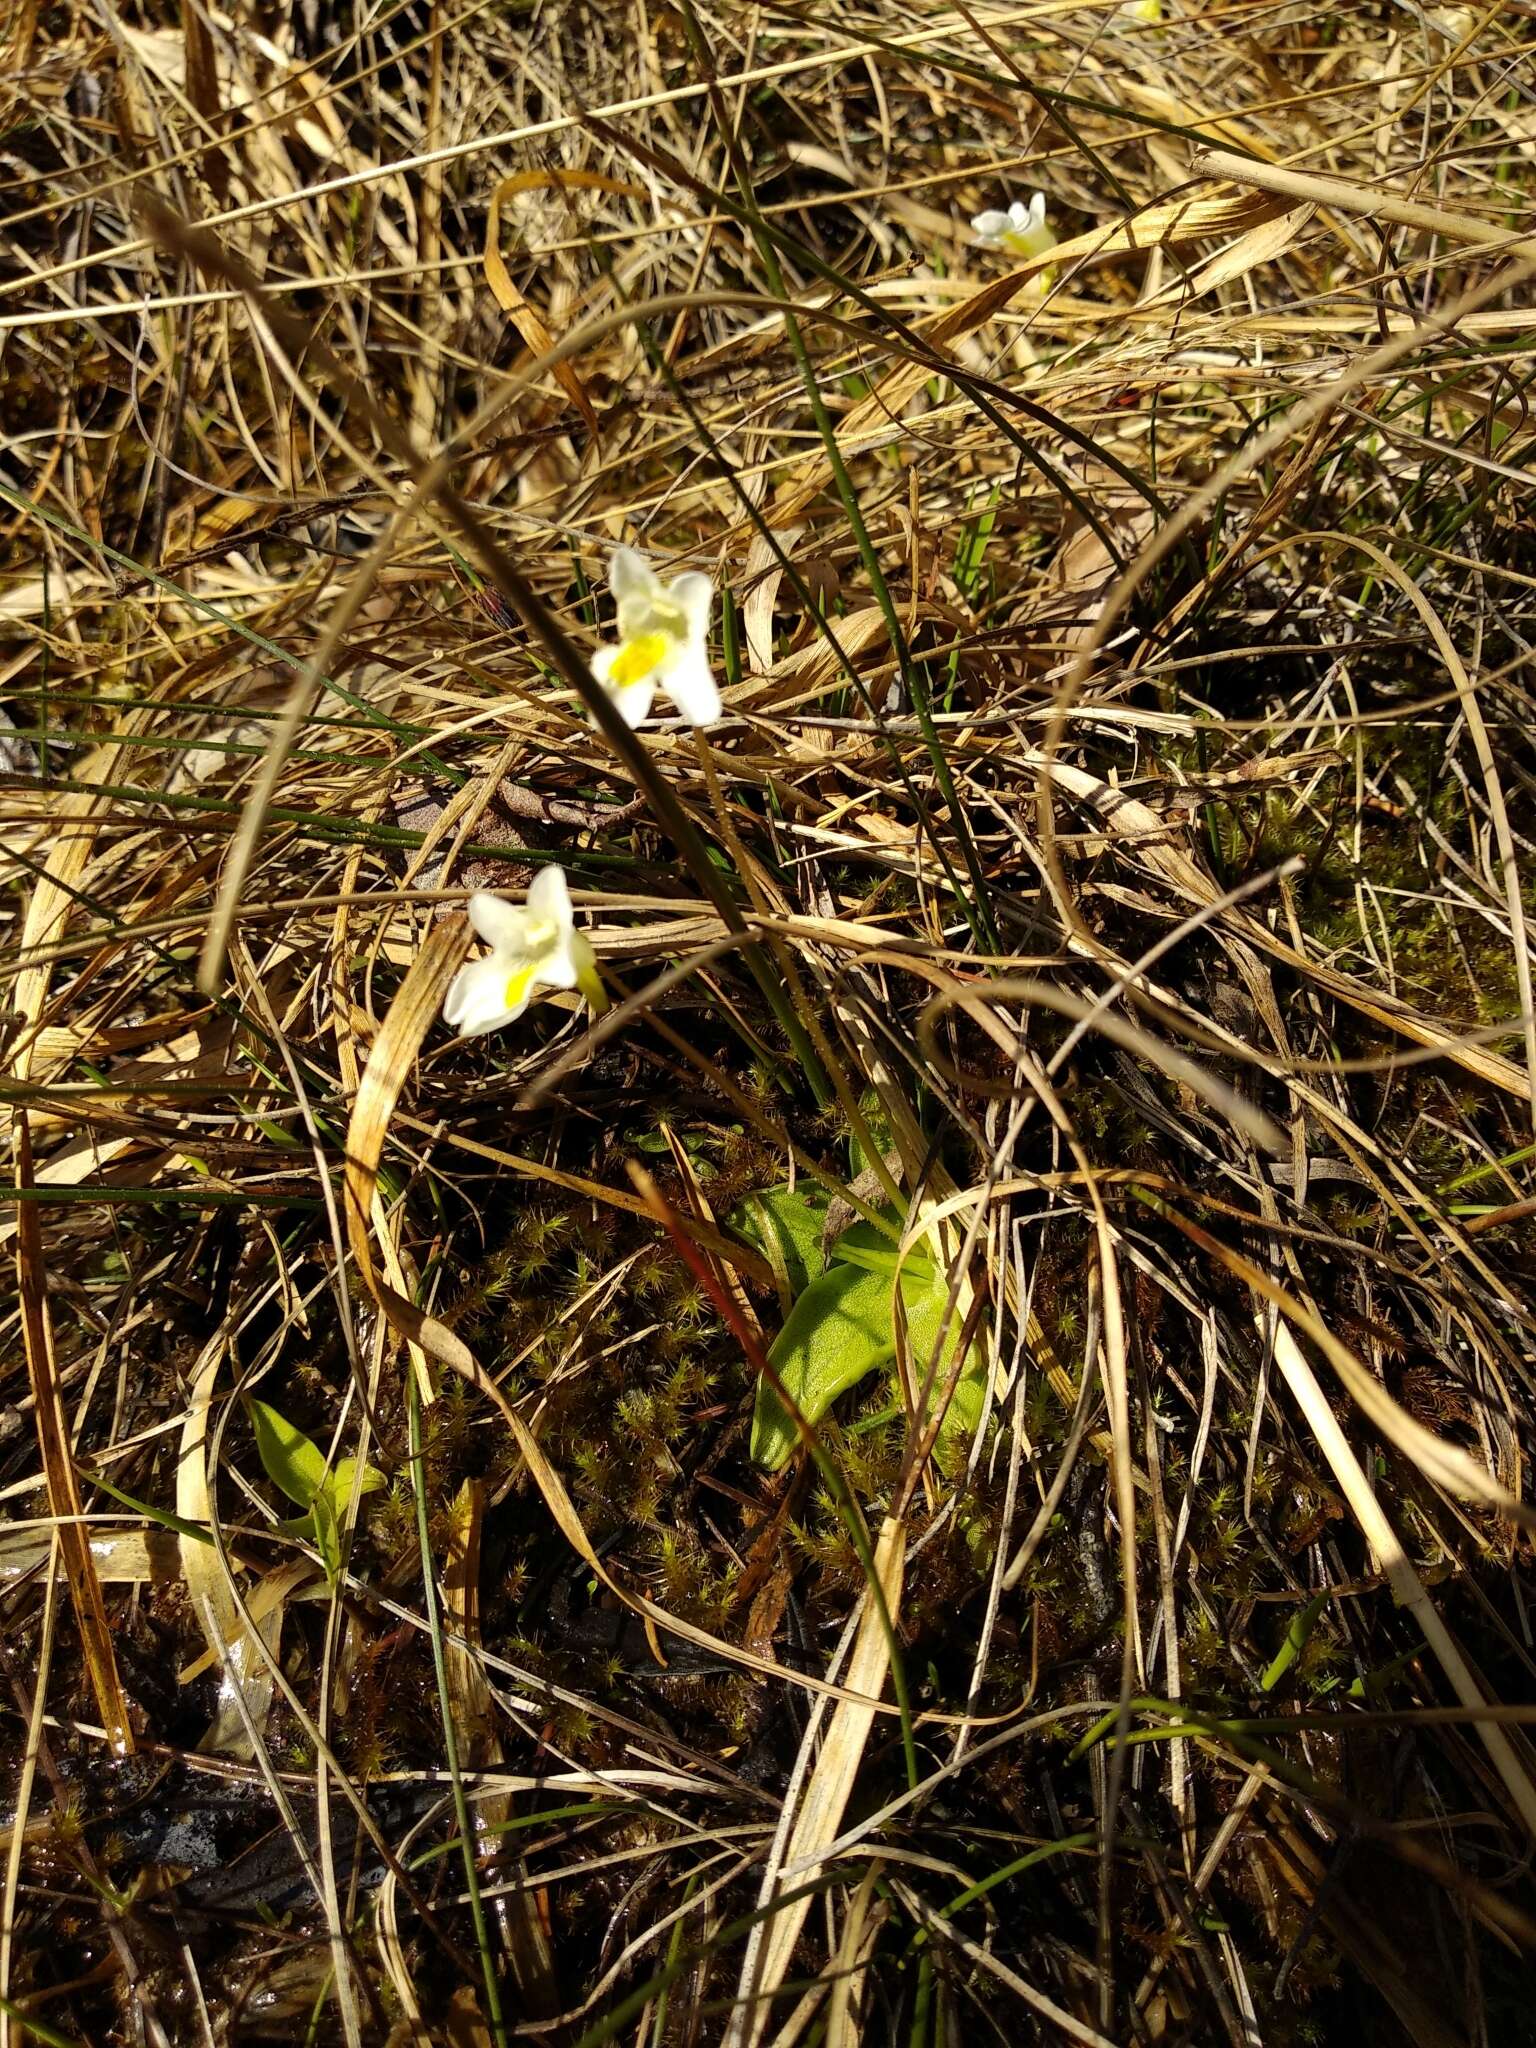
(1407, 1587)
(393, 1053)
(245, 1684)
(1138, 822)
(53, 1441)
(1318, 189)
(529, 323)
(516, 1910)
(296, 709)
(827, 1786)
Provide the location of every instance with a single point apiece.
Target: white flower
(535, 947)
(663, 642)
(1150, 11)
(1022, 230)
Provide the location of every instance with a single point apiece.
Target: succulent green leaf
(339, 1485)
(838, 1326)
(327, 1523)
(786, 1225)
(864, 1244)
(925, 1297)
(838, 1331)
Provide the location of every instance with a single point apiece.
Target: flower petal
(501, 924)
(550, 898)
(518, 985)
(476, 998)
(694, 596)
(988, 226)
(559, 967)
(630, 575)
(692, 688)
(633, 701)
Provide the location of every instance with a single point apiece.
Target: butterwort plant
(663, 642)
(532, 946)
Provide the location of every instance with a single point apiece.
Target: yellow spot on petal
(636, 658)
(519, 981)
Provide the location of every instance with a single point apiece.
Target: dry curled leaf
(528, 321)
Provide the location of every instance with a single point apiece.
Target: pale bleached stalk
(1407, 1587)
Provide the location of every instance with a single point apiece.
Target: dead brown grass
(1112, 867)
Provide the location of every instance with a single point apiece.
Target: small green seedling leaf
(840, 1330)
(163, 1516)
(1302, 1625)
(327, 1526)
(293, 1464)
(1375, 1685)
(297, 1467)
(340, 1482)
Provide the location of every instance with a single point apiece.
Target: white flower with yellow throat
(532, 946)
(663, 642)
(1022, 230)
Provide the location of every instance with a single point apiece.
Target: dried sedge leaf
(528, 322)
(1350, 197)
(861, 1930)
(410, 1017)
(1163, 226)
(245, 1684)
(1264, 244)
(72, 1164)
(816, 667)
(296, 1580)
(202, 74)
(474, 1719)
(1084, 570)
(825, 1799)
(59, 1464)
(74, 818)
(761, 578)
(1127, 817)
(122, 1557)
(1407, 1587)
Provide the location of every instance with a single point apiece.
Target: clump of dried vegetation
(1113, 860)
